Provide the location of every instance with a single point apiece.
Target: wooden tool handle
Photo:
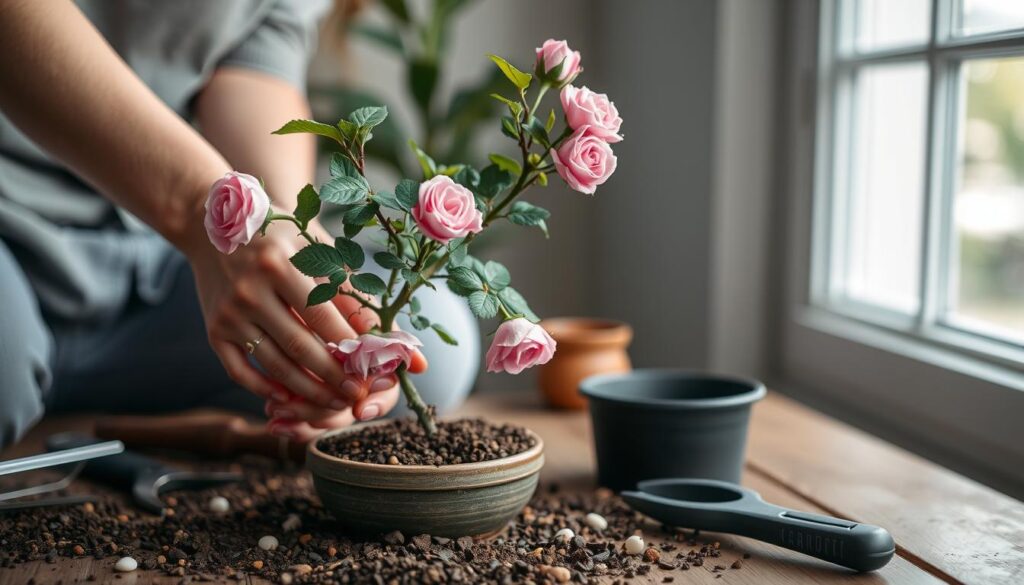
(217, 434)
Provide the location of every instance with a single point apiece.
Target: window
(903, 190)
(924, 181)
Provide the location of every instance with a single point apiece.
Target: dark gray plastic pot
(651, 424)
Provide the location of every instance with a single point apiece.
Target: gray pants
(150, 358)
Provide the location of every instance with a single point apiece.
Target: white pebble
(267, 543)
(564, 535)
(126, 565)
(292, 522)
(596, 521)
(219, 505)
(634, 545)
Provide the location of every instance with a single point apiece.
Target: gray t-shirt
(81, 253)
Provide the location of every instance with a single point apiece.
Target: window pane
(891, 23)
(882, 218)
(987, 16)
(988, 271)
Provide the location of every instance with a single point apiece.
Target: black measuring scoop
(719, 506)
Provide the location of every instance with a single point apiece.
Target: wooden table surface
(948, 529)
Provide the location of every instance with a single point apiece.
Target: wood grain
(943, 521)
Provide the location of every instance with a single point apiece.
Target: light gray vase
(453, 368)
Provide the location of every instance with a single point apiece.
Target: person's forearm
(67, 90)
(237, 111)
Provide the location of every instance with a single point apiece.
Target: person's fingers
(418, 364)
(281, 368)
(298, 409)
(377, 403)
(325, 319)
(242, 372)
(297, 341)
(303, 431)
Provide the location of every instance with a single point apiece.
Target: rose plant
(430, 223)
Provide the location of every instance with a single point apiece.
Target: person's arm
(67, 90)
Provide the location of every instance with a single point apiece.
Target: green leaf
(518, 78)
(484, 305)
(348, 130)
(408, 193)
(351, 252)
(318, 260)
(345, 190)
(388, 260)
(360, 215)
(339, 278)
(309, 127)
(468, 177)
(515, 107)
(352, 230)
(368, 283)
(463, 281)
(422, 82)
(458, 249)
(308, 205)
(443, 334)
(537, 131)
(515, 301)
(387, 199)
(506, 164)
(369, 116)
(341, 166)
(414, 305)
(508, 128)
(321, 293)
(523, 213)
(551, 121)
(419, 322)
(397, 8)
(426, 163)
(497, 275)
(542, 179)
(493, 180)
(413, 278)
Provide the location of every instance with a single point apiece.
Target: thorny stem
(412, 398)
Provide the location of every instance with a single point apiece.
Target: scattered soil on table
(198, 545)
(403, 442)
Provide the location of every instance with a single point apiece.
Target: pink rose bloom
(584, 161)
(446, 210)
(519, 344)
(371, 355)
(586, 108)
(236, 208)
(554, 52)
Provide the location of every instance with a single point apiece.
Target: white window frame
(954, 394)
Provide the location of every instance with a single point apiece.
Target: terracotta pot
(468, 499)
(585, 347)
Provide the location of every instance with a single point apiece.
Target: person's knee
(24, 374)
(25, 350)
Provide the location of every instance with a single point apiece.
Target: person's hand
(256, 296)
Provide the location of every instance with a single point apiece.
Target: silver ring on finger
(251, 345)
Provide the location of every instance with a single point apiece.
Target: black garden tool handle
(861, 547)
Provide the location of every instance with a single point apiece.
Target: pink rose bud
(586, 108)
(371, 355)
(236, 208)
(446, 210)
(553, 53)
(584, 161)
(519, 344)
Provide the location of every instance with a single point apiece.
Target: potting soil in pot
(273, 527)
(403, 442)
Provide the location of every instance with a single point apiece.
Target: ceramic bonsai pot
(468, 499)
(586, 347)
